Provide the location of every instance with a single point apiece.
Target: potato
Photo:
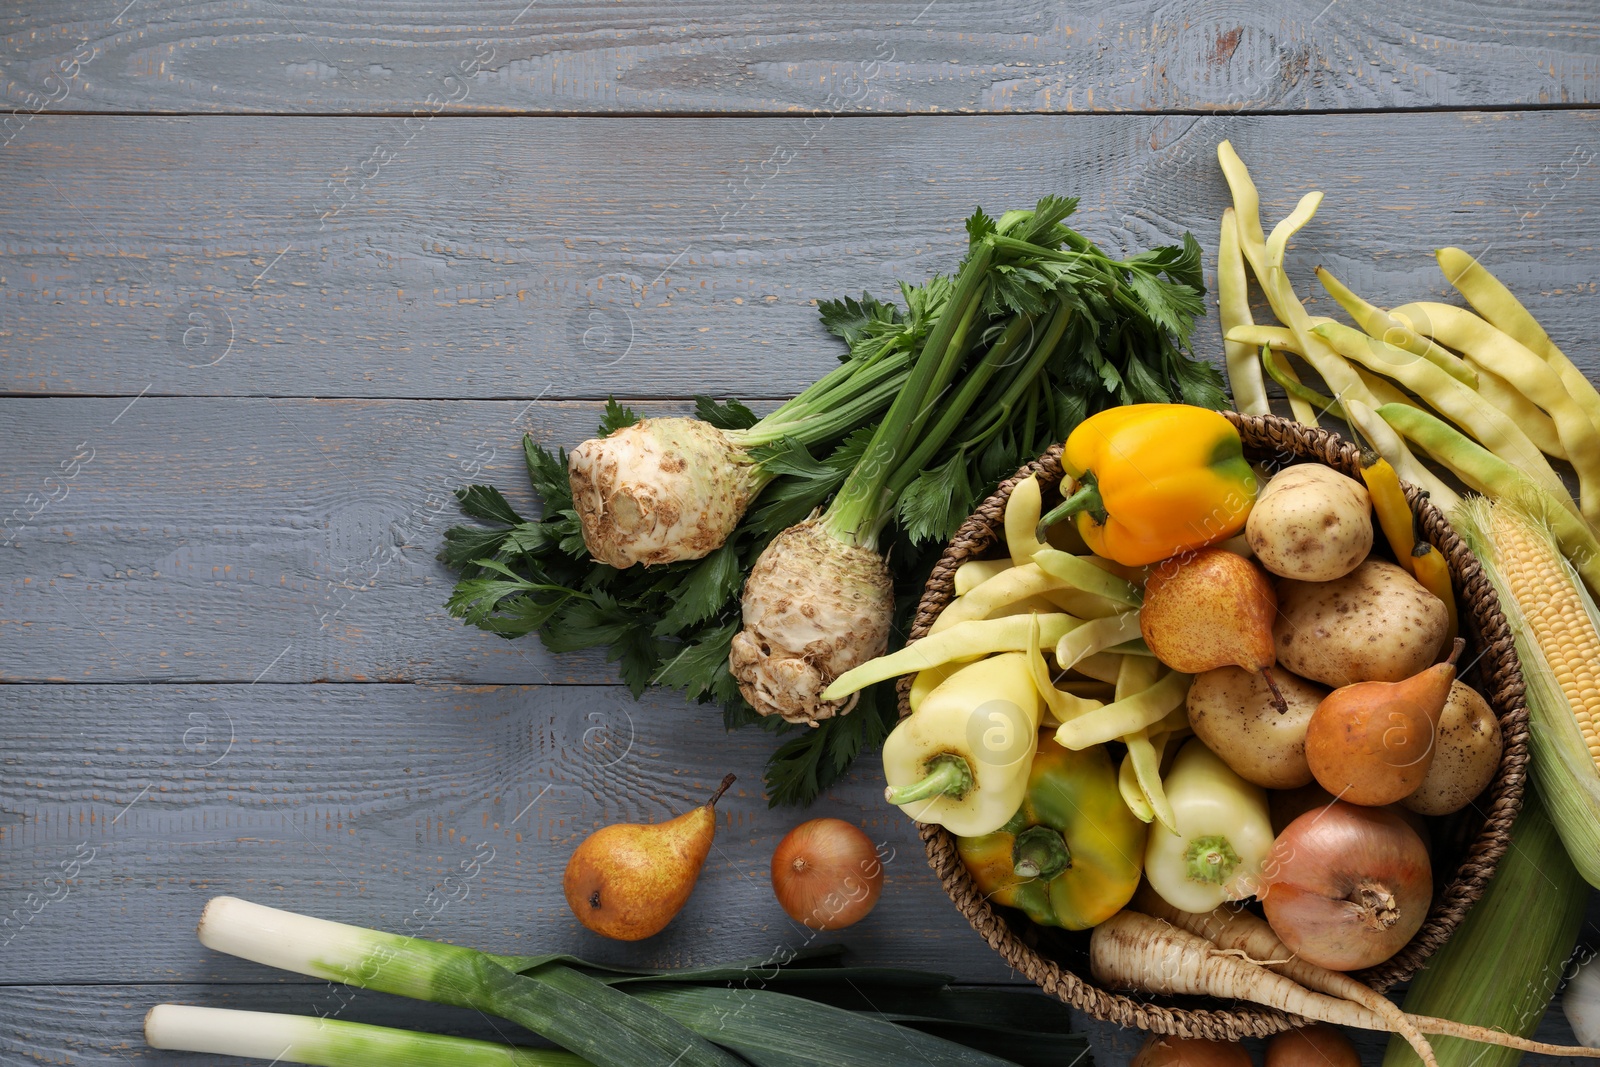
(1376, 624)
(1466, 753)
(1231, 712)
(1311, 523)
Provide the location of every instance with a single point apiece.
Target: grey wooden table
(276, 277)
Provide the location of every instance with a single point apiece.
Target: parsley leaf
(710, 584)
(548, 472)
(852, 319)
(463, 544)
(696, 666)
(728, 416)
(937, 501)
(485, 502)
(615, 418)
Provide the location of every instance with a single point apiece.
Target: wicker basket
(1469, 846)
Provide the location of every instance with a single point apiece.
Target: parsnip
(1131, 950)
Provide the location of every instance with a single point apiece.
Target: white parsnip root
(1235, 928)
(1132, 950)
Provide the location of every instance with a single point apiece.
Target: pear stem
(1277, 694)
(1455, 653)
(721, 789)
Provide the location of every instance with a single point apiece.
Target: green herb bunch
(672, 624)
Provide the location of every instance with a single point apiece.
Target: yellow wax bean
(1146, 745)
(1007, 587)
(1528, 374)
(1233, 308)
(1392, 447)
(1339, 376)
(1102, 666)
(1385, 327)
(1124, 716)
(1492, 476)
(1098, 635)
(1540, 428)
(1022, 520)
(979, 637)
(974, 572)
(1128, 782)
(1059, 705)
(1496, 303)
(1081, 573)
(1491, 426)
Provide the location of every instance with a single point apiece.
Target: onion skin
(826, 874)
(1317, 1045)
(814, 607)
(659, 491)
(1347, 886)
(1163, 1050)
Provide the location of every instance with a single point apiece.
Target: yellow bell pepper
(1222, 837)
(1072, 853)
(1155, 480)
(961, 759)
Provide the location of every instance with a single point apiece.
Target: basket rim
(1278, 442)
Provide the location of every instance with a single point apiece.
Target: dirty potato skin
(1311, 523)
(659, 491)
(1231, 712)
(1376, 624)
(1466, 753)
(813, 608)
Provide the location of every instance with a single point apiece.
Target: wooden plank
(103, 1025)
(492, 258)
(292, 540)
(890, 55)
(356, 802)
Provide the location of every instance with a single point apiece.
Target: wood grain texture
(887, 55)
(102, 1025)
(499, 258)
(226, 540)
(369, 804)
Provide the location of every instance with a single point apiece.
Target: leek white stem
(604, 1025)
(328, 1042)
(334, 951)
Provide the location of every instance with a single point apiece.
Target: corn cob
(1549, 601)
(1553, 621)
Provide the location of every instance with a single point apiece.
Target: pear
(1372, 742)
(626, 881)
(1208, 609)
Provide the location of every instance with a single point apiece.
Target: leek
(575, 1011)
(329, 1042)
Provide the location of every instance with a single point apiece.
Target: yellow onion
(660, 490)
(826, 874)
